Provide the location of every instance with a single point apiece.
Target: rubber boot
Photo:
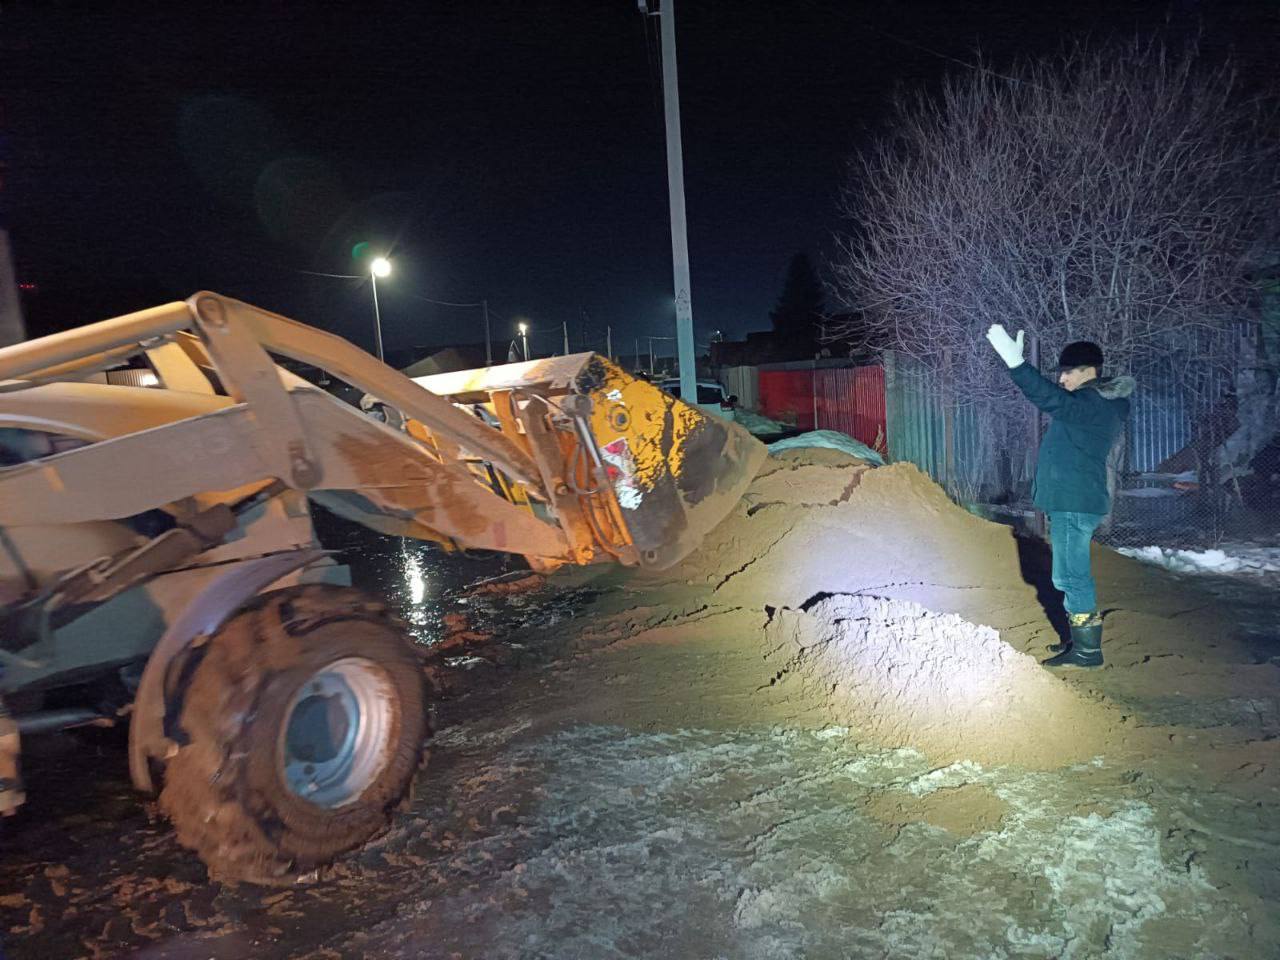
(1073, 620)
(1085, 648)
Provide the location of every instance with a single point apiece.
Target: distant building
(467, 356)
(768, 346)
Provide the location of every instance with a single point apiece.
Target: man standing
(1071, 486)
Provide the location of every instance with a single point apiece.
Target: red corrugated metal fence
(847, 399)
(851, 400)
(787, 396)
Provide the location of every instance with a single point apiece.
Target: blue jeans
(1069, 535)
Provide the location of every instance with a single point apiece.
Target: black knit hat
(1082, 353)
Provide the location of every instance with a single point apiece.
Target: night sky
(508, 151)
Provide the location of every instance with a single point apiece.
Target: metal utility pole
(12, 329)
(377, 315)
(488, 345)
(380, 267)
(675, 187)
(564, 324)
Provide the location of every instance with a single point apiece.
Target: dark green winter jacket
(1071, 474)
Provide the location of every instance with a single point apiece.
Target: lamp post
(381, 267)
(524, 338)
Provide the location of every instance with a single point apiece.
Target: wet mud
(631, 765)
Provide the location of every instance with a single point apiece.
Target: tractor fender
(209, 609)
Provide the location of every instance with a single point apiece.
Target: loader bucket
(674, 470)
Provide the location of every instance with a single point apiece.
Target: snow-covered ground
(1227, 559)
(774, 843)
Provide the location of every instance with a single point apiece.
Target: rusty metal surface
(140, 471)
(110, 575)
(352, 365)
(553, 375)
(676, 470)
(624, 470)
(280, 439)
(201, 615)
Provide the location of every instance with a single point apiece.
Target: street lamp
(524, 338)
(381, 267)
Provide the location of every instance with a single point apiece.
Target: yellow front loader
(157, 557)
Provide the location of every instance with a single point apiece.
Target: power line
(360, 276)
(929, 50)
(317, 273)
(443, 303)
(964, 63)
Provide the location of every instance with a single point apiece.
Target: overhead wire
(978, 67)
(443, 303)
(317, 273)
(539, 333)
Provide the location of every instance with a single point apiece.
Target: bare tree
(1113, 194)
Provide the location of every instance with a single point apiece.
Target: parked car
(712, 397)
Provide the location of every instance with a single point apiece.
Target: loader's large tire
(301, 726)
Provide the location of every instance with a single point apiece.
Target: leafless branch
(1113, 194)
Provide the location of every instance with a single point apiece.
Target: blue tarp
(832, 440)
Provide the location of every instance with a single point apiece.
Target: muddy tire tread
(209, 793)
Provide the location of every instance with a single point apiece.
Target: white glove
(1010, 350)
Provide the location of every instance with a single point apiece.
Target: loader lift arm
(576, 462)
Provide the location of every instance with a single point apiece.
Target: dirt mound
(804, 529)
(799, 485)
(862, 572)
(904, 677)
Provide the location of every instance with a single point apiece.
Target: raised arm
(1041, 391)
(1050, 397)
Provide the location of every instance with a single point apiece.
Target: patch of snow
(1186, 476)
(952, 775)
(832, 440)
(1230, 558)
(831, 733)
(757, 844)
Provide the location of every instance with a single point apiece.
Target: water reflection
(413, 577)
(420, 581)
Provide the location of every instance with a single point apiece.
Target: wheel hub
(337, 731)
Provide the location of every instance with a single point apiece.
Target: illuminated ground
(617, 776)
